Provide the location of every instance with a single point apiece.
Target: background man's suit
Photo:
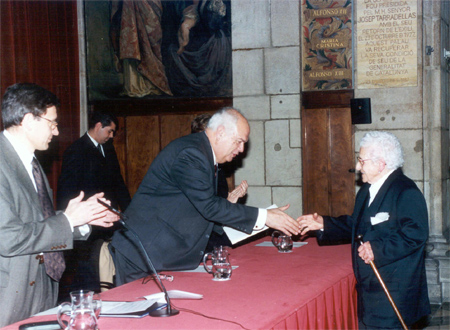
(84, 168)
(23, 235)
(172, 208)
(398, 245)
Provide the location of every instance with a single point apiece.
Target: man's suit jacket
(85, 169)
(396, 225)
(173, 208)
(25, 288)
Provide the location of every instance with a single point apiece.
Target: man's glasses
(53, 123)
(361, 161)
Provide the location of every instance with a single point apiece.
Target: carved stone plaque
(386, 43)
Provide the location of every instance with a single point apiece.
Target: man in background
(90, 165)
(176, 205)
(32, 234)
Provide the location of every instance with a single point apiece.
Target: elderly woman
(391, 215)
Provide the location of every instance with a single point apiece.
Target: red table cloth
(311, 288)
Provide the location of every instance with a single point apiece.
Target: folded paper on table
(142, 308)
(135, 309)
(173, 294)
(51, 311)
(236, 236)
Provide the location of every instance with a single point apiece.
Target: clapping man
(32, 235)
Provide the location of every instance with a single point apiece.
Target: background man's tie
(99, 147)
(54, 261)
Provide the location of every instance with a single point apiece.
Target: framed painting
(158, 49)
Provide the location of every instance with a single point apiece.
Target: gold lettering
(330, 45)
(317, 13)
(320, 74)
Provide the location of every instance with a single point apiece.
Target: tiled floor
(440, 317)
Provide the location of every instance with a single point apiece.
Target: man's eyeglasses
(361, 161)
(53, 123)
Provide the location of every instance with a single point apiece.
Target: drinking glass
(282, 242)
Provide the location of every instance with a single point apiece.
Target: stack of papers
(136, 309)
(142, 308)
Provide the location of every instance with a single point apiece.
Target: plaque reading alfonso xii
(327, 44)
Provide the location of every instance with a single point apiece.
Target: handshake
(279, 220)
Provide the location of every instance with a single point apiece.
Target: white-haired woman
(391, 215)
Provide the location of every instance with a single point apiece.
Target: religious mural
(156, 49)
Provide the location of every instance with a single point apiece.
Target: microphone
(159, 311)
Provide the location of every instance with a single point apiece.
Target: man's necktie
(54, 261)
(99, 147)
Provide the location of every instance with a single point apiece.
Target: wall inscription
(327, 44)
(386, 43)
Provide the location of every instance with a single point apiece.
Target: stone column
(436, 144)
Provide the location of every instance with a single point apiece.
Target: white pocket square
(379, 218)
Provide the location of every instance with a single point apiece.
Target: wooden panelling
(147, 126)
(120, 144)
(342, 180)
(316, 196)
(143, 145)
(327, 99)
(164, 106)
(327, 153)
(175, 126)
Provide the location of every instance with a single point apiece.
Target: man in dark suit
(90, 165)
(218, 236)
(391, 214)
(30, 230)
(175, 207)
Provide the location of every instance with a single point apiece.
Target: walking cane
(359, 239)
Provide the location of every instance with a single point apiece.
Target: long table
(311, 288)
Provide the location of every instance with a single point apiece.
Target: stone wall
(266, 88)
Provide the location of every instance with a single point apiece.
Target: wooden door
(328, 157)
(146, 126)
